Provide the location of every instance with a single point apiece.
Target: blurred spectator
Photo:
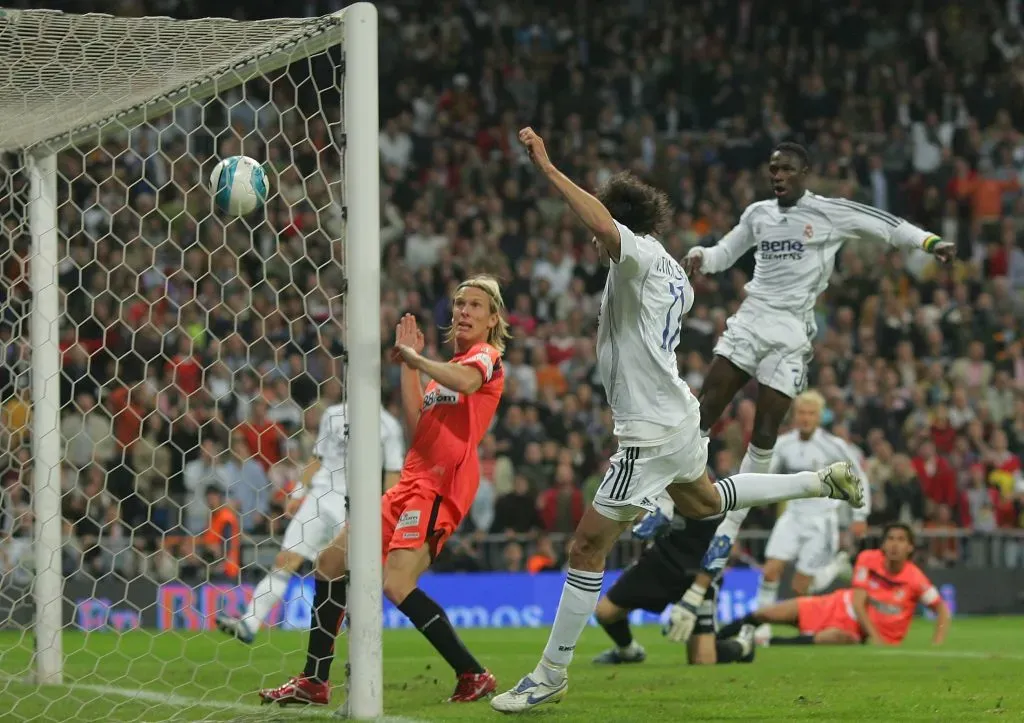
(200, 474)
(248, 487)
(904, 494)
(935, 476)
(512, 557)
(214, 325)
(86, 432)
(16, 419)
(561, 506)
(516, 511)
(263, 437)
(544, 557)
(942, 550)
(217, 552)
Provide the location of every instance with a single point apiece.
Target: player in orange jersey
(437, 486)
(878, 609)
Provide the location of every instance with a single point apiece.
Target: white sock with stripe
(753, 489)
(268, 592)
(755, 459)
(579, 599)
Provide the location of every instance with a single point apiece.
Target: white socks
(730, 526)
(752, 490)
(754, 460)
(579, 599)
(268, 592)
(824, 577)
(767, 594)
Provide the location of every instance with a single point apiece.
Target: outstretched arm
(590, 211)
(861, 221)
(725, 253)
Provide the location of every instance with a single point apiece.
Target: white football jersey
(332, 446)
(794, 454)
(796, 246)
(645, 298)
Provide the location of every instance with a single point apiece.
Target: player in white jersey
(807, 532)
(796, 238)
(321, 513)
(656, 418)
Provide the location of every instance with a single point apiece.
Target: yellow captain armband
(931, 242)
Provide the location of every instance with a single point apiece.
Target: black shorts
(652, 584)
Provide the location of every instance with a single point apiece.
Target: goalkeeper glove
(648, 527)
(683, 615)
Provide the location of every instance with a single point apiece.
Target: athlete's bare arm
(860, 609)
(591, 212)
(942, 620)
(412, 388)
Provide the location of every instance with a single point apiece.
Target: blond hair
(812, 396)
(497, 336)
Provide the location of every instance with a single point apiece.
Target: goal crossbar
(41, 103)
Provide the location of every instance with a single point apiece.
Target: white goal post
(67, 82)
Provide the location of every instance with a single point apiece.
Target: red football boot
(473, 686)
(299, 690)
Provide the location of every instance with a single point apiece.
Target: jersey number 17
(673, 318)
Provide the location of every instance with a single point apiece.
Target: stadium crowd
(198, 352)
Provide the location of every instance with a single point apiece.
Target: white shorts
(318, 521)
(637, 476)
(812, 541)
(771, 346)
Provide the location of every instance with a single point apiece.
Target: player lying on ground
(662, 573)
(655, 416)
(437, 486)
(807, 532)
(320, 515)
(878, 609)
(796, 237)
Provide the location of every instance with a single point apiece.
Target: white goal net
(164, 366)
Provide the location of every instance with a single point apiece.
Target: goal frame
(356, 31)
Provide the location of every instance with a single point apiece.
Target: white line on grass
(174, 700)
(972, 654)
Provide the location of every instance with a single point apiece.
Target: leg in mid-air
(723, 382)
(318, 520)
(269, 591)
(702, 498)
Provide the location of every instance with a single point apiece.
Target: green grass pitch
(172, 676)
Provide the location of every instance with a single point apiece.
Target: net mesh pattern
(63, 72)
(198, 353)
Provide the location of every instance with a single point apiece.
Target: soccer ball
(239, 185)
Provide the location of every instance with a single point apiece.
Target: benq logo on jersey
(789, 250)
(439, 395)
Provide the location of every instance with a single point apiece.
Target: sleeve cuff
(930, 243)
